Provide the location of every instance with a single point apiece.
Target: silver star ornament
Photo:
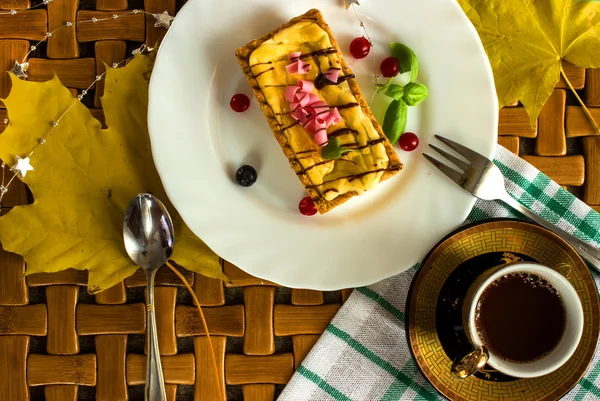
(163, 19)
(22, 166)
(143, 49)
(20, 69)
(350, 2)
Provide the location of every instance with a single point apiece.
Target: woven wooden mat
(59, 343)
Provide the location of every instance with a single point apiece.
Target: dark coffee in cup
(520, 317)
(526, 318)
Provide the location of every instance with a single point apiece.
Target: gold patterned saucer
(436, 335)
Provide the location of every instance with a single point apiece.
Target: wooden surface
(260, 333)
(59, 343)
(551, 139)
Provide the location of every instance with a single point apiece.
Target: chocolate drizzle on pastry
(347, 106)
(291, 125)
(342, 131)
(304, 170)
(266, 62)
(317, 53)
(357, 176)
(368, 145)
(322, 81)
(262, 72)
(340, 107)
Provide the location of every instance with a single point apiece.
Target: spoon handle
(155, 382)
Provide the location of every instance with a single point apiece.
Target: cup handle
(471, 363)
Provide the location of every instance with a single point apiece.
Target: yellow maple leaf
(84, 178)
(526, 40)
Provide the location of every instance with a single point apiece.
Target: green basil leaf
(395, 91)
(407, 59)
(394, 121)
(333, 150)
(383, 87)
(415, 93)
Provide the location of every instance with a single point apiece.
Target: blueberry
(246, 176)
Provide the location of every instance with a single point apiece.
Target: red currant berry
(307, 207)
(360, 47)
(389, 67)
(408, 141)
(240, 102)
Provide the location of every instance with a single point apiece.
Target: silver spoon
(148, 235)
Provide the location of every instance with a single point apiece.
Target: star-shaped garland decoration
(22, 166)
(350, 2)
(20, 69)
(163, 19)
(143, 49)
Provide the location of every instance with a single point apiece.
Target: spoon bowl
(148, 232)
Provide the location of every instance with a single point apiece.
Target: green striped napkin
(363, 355)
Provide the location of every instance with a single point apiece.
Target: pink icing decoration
(306, 86)
(332, 74)
(298, 67)
(304, 67)
(301, 115)
(333, 117)
(319, 107)
(306, 107)
(292, 68)
(293, 56)
(314, 98)
(315, 124)
(321, 137)
(290, 93)
(303, 99)
(300, 98)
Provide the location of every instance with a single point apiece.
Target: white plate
(198, 141)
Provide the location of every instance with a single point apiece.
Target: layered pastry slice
(317, 112)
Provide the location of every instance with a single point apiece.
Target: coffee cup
(523, 319)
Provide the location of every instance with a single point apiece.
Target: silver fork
(481, 178)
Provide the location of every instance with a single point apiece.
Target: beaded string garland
(22, 163)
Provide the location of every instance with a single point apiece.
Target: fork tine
(459, 163)
(449, 171)
(467, 153)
